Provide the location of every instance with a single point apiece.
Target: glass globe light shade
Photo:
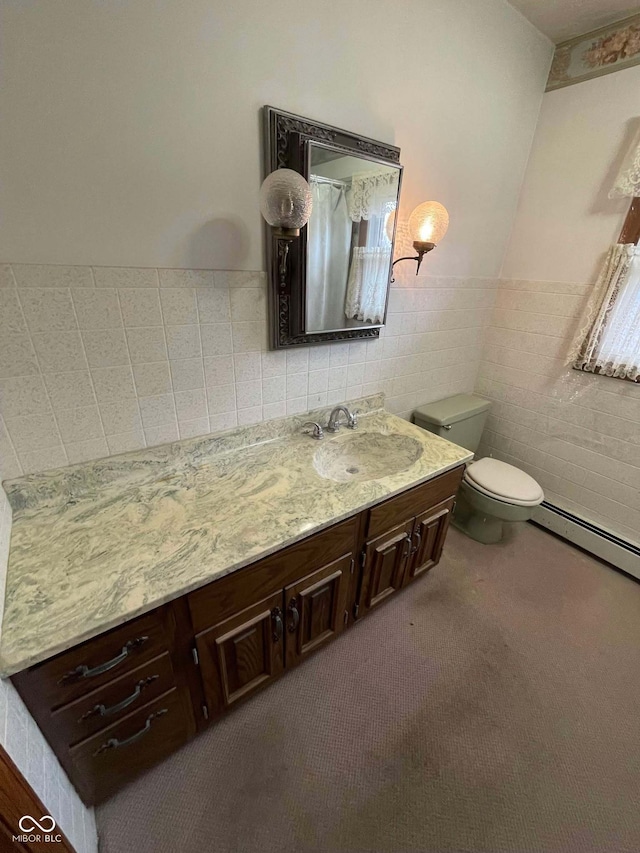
(285, 200)
(428, 223)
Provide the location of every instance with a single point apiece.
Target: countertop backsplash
(96, 361)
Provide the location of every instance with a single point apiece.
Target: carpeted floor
(492, 706)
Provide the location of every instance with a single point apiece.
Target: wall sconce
(285, 203)
(427, 226)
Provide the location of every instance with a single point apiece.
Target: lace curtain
(627, 183)
(371, 193)
(609, 340)
(372, 197)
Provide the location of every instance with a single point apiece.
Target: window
(609, 341)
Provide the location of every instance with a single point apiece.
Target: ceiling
(564, 19)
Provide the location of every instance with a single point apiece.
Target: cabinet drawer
(396, 510)
(84, 668)
(103, 707)
(110, 758)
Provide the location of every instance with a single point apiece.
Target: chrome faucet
(334, 419)
(316, 430)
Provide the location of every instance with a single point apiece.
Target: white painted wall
(130, 131)
(565, 221)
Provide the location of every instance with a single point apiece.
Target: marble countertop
(97, 544)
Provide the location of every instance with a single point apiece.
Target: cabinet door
(242, 654)
(385, 558)
(315, 608)
(428, 537)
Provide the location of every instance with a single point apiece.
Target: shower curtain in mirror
(329, 241)
(373, 196)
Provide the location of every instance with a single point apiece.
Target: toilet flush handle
(446, 426)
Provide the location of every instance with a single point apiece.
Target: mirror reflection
(349, 239)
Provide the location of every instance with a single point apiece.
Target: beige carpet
(493, 706)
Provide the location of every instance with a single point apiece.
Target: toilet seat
(503, 482)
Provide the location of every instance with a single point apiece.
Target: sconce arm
(421, 248)
(406, 258)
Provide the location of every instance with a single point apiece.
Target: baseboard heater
(596, 540)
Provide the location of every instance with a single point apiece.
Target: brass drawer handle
(105, 711)
(114, 743)
(292, 627)
(84, 671)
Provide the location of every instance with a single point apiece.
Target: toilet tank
(459, 419)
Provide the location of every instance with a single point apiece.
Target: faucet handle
(353, 419)
(316, 430)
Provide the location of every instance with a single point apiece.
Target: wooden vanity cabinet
(126, 699)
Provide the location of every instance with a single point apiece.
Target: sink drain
(353, 470)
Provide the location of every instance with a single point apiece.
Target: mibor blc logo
(38, 830)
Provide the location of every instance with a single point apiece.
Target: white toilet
(492, 492)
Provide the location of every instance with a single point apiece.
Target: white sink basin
(357, 457)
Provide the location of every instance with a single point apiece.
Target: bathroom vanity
(131, 667)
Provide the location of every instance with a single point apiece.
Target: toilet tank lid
(451, 409)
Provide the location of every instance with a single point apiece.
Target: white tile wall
(24, 742)
(97, 361)
(576, 433)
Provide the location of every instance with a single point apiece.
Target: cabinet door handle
(105, 711)
(292, 627)
(276, 618)
(84, 671)
(407, 547)
(114, 743)
(418, 536)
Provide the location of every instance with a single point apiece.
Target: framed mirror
(332, 282)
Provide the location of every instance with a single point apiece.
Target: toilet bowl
(493, 494)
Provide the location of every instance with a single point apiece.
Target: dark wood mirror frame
(286, 145)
